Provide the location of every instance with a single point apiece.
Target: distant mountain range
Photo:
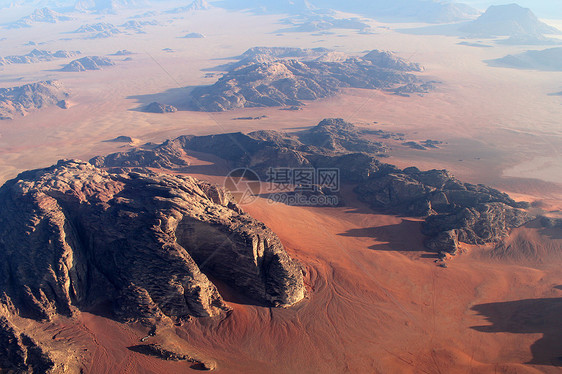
(413, 10)
(44, 15)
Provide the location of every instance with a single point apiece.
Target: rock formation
(269, 80)
(88, 63)
(404, 10)
(194, 35)
(258, 150)
(454, 211)
(19, 353)
(98, 30)
(195, 5)
(18, 101)
(160, 108)
(37, 55)
(322, 22)
(43, 15)
(508, 20)
(74, 237)
(545, 60)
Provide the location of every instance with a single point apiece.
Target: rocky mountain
(88, 63)
(193, 35)
(19, 101)
(102, 27)
(544, 60)
(75, 237)
(44, 15)
(195, 5)
(37, 55)
(107, 6)
(270, 80)
(454, 211)
(508, 20)
(259, 150)
(156, 107)
(323, 22)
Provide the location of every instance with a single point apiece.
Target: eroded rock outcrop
(156, 107)
(19, 101)
(320, 146)
(265, 78)
(19, 353)
(74, 237)
(88, 63)
(37, 55)
(454, 211)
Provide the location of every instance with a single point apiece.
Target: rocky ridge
(454, 211)
(43, 15)
(75, 237)
(88, 63)
(37, 55)
(268, 79)
(19, 101)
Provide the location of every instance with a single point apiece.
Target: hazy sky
(542, 8)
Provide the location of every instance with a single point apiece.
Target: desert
(111, 208)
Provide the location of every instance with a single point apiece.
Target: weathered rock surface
(454, 211)
(18, 101)
(268, 79)
(43, 15)
(37, 55)
(88, 63)
(19, 353)
(98, 27)
(75, 237)
(258, 150)
(160, 108)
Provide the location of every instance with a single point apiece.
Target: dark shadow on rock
(558, 287)
(530, 316)
(552, 233)
(405, 236)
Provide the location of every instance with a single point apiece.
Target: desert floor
(377, 301)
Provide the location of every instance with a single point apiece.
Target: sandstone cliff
(74, 237)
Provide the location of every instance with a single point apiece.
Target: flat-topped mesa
(76, 237)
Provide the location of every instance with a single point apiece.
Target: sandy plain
(377, 301)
